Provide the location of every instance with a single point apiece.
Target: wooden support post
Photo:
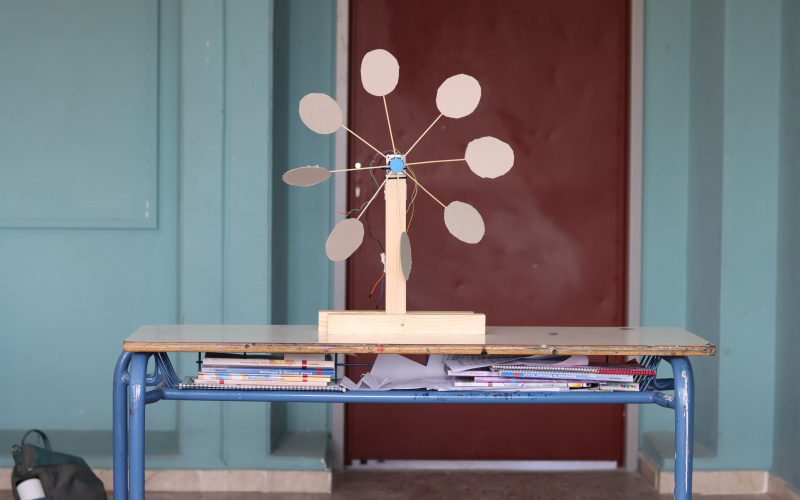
(395, 224)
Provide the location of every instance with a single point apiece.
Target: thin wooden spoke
(423, 134)
(370, 200)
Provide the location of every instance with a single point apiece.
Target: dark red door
(554, 78)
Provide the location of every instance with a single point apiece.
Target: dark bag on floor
(63, 477)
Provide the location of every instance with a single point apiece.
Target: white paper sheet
(461, 362)
(393, 371)
(578, 360)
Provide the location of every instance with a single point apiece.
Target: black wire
(369, 227)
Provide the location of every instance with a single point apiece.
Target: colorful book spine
(574, 383)
(473, 373)
(508, 385)
(569, 376)
(193, 383)
(287, 378)
(256, 363)
(276, 383)
(516, 384)
(268, 371)
(618, 386)
(617, 368)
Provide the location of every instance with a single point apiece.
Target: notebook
(592, 367)
(188, 384)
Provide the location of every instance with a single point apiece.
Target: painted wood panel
(78, 138)
(69, 297)
(554, 252)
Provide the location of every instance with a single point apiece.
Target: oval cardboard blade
(345, 239)
(379, 72)
(458, 96)
(489, 157)
(320, 113)
(306, 176)
(405, 254)
(464, 222)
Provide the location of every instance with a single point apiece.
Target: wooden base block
(438, 327)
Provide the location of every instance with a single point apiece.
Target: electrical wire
(381, 280)
(414, 194)
(366, 218)
(411, 204)
(369, 230)
(376, 285)
(381, 295)
(343, 215)
(371, 170)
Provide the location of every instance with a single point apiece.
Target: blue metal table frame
(131, 395)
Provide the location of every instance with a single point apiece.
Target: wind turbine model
(487, 157)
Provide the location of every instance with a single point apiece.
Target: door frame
(634, 266)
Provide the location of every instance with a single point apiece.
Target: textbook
(255, 360)
(611, 377)
(573, 383)
(472, 373)
(533, 387)
(275, 383)
(268, 371)
(262, 378)
(592, 367)
(540, 384)
(594, 377)
(189, 383)
(618, 386)
(224, 359)
(239, 371)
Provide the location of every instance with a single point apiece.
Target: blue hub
(397, 164)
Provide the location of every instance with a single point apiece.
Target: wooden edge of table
(455, 348)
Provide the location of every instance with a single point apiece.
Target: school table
(131, 380)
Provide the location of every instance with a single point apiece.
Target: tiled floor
(408, 485)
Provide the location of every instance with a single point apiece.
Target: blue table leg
(121, 427)
(684, 425)
(136, 392)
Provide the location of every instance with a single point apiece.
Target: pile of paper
(454, 372)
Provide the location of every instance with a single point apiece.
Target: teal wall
(305, 61)
(665, 159)
(786, 458)
(141, 149)
(140, 161)
(88, 225)
(720, 127)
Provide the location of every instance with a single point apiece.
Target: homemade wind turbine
(487, 157)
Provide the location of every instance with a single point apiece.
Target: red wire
(376, 284)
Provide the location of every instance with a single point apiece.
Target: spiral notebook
(592, 367)
(188, 383)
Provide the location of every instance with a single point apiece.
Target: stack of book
(557, 374)
(277, 372)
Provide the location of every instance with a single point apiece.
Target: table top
(498, 340)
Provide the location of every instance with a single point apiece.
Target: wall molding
(780, 490)
(735, 482)
(222, 480)
(233, 480)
